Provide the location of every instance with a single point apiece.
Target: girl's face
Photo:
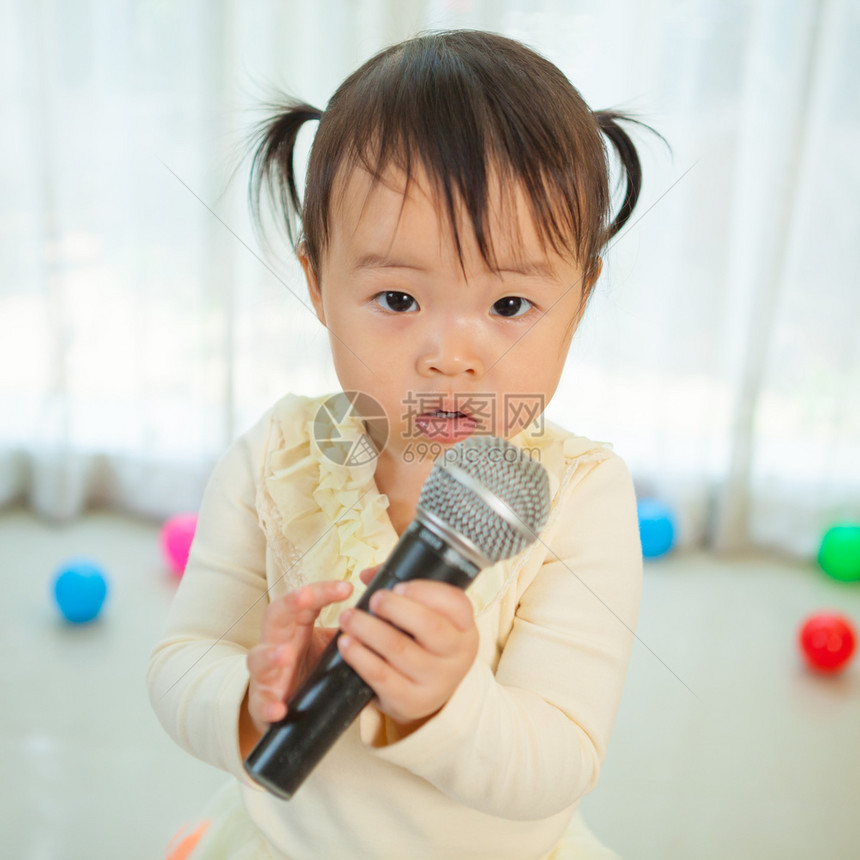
(419, 332)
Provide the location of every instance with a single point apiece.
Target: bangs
(481, 117)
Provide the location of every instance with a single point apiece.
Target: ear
(312, 281)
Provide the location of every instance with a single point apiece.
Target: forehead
(398, 213)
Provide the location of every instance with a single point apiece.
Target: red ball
(828, 641)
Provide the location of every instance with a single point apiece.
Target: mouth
(441, 425)
(441, 413)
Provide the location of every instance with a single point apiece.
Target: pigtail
(274, 142)
(630, 163)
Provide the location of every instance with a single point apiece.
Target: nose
(451, 349)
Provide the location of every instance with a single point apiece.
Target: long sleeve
(197, 675)
(528, 741)
(499, 770)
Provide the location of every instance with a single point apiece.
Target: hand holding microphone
(413, 648)
(289, 648)
(290, 645)
(484, 501)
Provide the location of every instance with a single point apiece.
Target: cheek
(368, 365)
(387, 345)
(534, 375)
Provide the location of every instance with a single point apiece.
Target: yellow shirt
(499, 771)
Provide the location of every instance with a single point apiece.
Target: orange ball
(182, 843)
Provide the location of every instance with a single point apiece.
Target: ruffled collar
(324, 520)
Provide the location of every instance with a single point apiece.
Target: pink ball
(176, 536)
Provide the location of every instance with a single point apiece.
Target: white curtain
(142, 327)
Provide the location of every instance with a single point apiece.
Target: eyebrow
(538, 268)
(528, 268)
(377, 261)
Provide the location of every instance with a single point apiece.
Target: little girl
(456, 206)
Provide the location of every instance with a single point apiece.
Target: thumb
(368, 573)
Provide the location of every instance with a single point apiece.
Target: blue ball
(656, 527)
(80, 589)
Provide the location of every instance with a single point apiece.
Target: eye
(393, 300)
(512, 306)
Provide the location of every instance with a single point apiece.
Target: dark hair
(461, 104)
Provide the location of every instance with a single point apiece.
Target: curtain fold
(142, 326)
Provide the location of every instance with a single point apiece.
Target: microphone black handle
(333, 694)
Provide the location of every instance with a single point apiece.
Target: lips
(442, 425)
(443, 414)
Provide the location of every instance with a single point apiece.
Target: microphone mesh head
(505, 471)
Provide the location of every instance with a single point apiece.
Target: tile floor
(725, 748)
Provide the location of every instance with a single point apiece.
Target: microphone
(485, 500)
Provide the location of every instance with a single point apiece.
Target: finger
(379, 674)
(266, 662)
(301, 607)
(394, 646)
(430, 629)
(271, 668)
(264, 707)
(442, 597)
(368, 573)
(437, 624)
